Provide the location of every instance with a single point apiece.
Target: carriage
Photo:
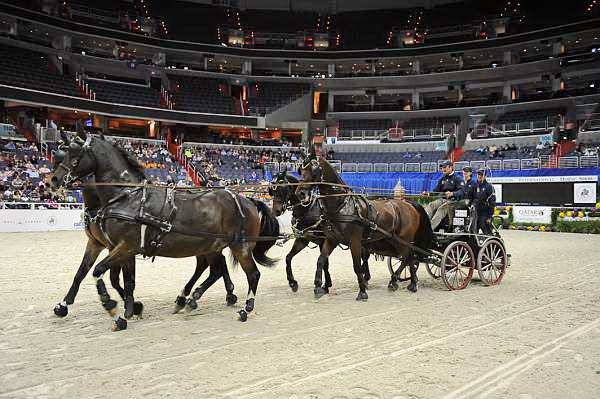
(457, 253)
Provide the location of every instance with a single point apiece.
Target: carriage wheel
(491, 262)
(394, 264)
(457, 265)
(433, 270)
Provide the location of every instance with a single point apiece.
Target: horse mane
(329, 174)
(133, 163)
(292, 178)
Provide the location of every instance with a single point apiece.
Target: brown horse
(164, 222)
(97, 242)
(388, 227)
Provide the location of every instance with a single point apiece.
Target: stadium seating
(201, 95)
(266, 97)
(30, 69)
(122, 93)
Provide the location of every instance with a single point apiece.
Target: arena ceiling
(324, 6)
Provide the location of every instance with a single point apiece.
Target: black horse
(163, 221)
(97, 242)
(305, 219)
(389, 227)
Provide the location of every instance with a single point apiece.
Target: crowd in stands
(226, 166)
(23, 169)
(586, 150)
(159, 165)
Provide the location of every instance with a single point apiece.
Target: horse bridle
(69, 177)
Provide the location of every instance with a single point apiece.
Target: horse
(97, 242)
(163, 221)
(388, 227)
(305, 219)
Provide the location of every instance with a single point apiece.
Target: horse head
(311, 172)
(283, 196)
(73, 159)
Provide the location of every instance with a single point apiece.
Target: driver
(449, 184)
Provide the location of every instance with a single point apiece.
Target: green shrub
(579, 226)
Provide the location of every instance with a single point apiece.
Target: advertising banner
(21, 220)
(532, 214)
(584, 193)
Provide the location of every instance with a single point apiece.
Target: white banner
(532, 214)
(584, 193)
(498, 192)
(21, 220)
(542, 179)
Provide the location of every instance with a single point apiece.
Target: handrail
(39, 205)
(546, 161)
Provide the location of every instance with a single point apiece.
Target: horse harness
(163, 222)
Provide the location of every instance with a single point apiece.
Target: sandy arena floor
(537, 335)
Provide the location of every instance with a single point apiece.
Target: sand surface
(536, 335)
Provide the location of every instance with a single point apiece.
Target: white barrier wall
(21, 220)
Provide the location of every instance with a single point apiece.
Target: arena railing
(396, 134)
(243, 146)
(41, 205)
(482, 130)
(493, 164)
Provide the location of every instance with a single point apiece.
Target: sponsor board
(532, 214)
(21, 220)
(584, 193)
(542, 179)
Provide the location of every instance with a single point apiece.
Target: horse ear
(65, 137)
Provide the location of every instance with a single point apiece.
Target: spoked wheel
(492, 261)
(394, 264)
(457, 265)
(433, 270)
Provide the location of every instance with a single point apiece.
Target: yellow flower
(580, 214)
(569, 214)
(562, 214)
(496, 212)
(542, 228)
(529, 228)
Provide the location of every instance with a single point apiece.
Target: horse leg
(131, 306)
(326, 248)
(365, 265)
(116, 255)
(244, 255)
(413, 263)
(355, 249)
(230, 298)
(299, 245)
(201, 266)
(115, 270)
(92, 250)
(395, 276)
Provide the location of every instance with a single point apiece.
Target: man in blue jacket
(483, 196)
(448, 185)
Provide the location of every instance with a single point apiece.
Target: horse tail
(424, 235)
(269, 227)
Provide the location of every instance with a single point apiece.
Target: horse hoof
(138, 309)
(250, 305)
(128, 313)
(319, 292)
(231, 299)
(119, 324)
(393, 286)
(243, 315)
(294, 285)
(412, 288)
(326, 289)
(190, 305)
(362, 296)
(60, 310)
(111, 307)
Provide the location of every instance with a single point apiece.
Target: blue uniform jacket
(448, 183)
(483, 197)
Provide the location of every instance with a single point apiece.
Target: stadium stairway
(175, 151)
